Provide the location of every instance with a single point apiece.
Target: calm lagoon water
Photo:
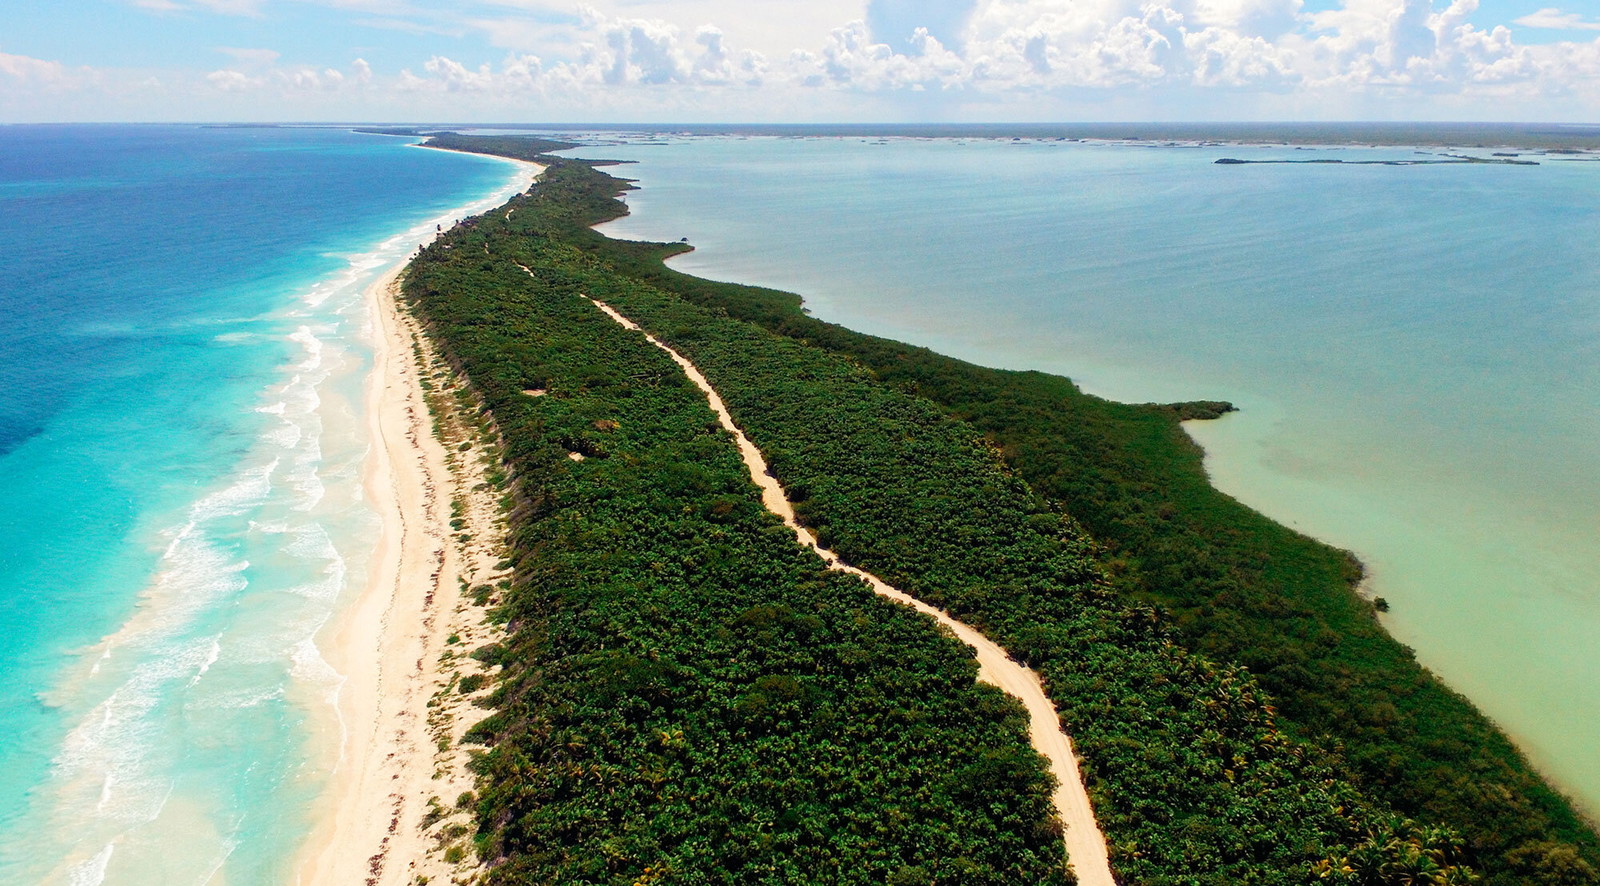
(1415, 350)
(181, 436)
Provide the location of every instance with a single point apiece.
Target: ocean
(181, 441)
(1415, 349)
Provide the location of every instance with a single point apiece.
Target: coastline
(1478, 568)
(190, 704)
(1340, 600)
(401, 645)
(1542, 811)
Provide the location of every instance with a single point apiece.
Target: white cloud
(248, 8)
(250, 56)
(233, 81)
(22, 67)
(408, 26)
(40, 74)
(1011, 49)
(232, 7)
(522, 34)
(771, 28)
(767, 60)
(1556, 20)
(1248, 18)
(291, 80)
(455, 77)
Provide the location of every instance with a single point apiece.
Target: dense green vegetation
(1190, 777)
(517, 148)
(687, 696)
(1196, 784)
(1195, 778)
(1236, 587)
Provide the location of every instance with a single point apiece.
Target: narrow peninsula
(680, 688)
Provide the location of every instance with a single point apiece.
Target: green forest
(687, 696)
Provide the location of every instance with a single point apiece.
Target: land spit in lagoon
(728, 354)
(673, 689)
(1411, 348)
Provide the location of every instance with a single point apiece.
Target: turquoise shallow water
(1416, 350)
(181, 441)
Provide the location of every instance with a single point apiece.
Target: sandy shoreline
(388, 643)
(389, 814)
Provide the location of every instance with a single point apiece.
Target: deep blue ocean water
(180, 446)
(1415, 349)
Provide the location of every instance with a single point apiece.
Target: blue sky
(816, 60)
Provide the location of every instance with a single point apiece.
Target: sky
(727, 61)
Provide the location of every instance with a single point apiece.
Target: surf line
(1086, 845)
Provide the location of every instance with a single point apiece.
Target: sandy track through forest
(1086, 845)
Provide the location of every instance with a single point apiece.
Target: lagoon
(1415, 350)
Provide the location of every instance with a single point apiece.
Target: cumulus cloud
(698, 55)
(1018, 48)
(37, 73)
(614, 53)
(1556, 20)
(233, 81)
(1272, 45)
(294, 79)
(22, 67)
(635, 51)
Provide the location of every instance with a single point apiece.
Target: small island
(1496, 160)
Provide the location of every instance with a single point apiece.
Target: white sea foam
(311, 668)
(108, 750)
(311, 542)
(211, 659)
(237, 700)
(312, 345)
(105, 654)
(226, 852)
(250, 488)
(109, 746)
(93, 871)
(144, 701)
(285, 436)
(325, 589)
(308, 486)
(196, 572)
(300, 395)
